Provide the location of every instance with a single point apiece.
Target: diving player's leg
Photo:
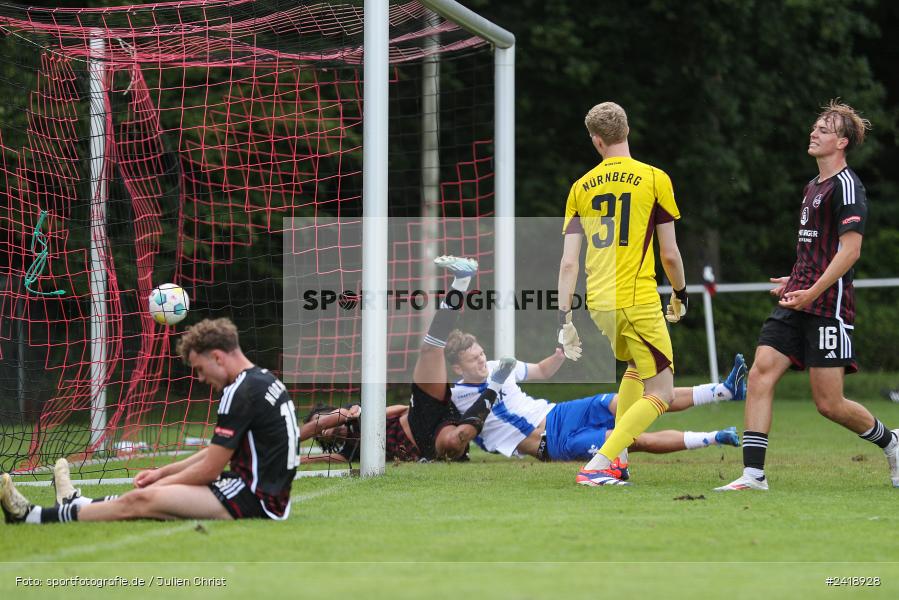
(670, 440)
(430, 368)
(733, 388)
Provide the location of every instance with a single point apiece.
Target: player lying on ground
(256, 433)
(573, 430)
(430, 427)
(520, 424)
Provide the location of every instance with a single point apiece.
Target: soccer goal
(190, 142)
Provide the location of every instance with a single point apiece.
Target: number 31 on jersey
(608, 203)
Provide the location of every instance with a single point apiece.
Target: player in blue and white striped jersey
(520, 424)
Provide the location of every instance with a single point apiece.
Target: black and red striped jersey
(256, 419)
(830, 208)
(397, 446)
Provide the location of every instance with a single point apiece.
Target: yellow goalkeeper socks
(629, 392)
(637, 420)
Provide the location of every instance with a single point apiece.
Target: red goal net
(179, 142)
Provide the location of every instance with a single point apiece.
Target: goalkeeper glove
(677, 305)
(568, 338)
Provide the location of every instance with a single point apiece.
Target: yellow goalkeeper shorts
(639, 334)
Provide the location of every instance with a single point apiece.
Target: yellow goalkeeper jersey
(617, 206)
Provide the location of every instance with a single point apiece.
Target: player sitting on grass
(256, 433)
(430, 427)
(574, 430)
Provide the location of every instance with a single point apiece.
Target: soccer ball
(169, 304)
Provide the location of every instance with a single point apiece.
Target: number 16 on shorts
(834, 343)
(827, 338)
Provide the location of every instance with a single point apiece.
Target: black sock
(878, 434)
(754, 446)
(478, 411)
(60, 513)
(443, 323)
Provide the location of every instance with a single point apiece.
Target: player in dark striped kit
(256, 433)
(431, 427)
(812, 324)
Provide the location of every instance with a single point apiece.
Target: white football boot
(745, 482)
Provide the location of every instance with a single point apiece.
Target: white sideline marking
(319, 493)
(307, 451)
(101, 461)
(47, 483)
(109, 545)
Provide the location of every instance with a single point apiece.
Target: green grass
(498, 528)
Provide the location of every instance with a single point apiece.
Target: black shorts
(236, 497)
(427, 416)
(809, 340)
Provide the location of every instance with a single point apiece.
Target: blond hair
(456, 343)
(846, 122)
(208, 334)
(608, 121)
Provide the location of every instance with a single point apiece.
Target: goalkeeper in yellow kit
(619, 206)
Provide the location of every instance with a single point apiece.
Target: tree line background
(720, 94)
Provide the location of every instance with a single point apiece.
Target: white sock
(460, 284)
(597, 463)
(709, 393)
(699, 439)
(81, 501)
(757, 474)
(892, 445)
(34, 516)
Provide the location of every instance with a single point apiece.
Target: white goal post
(374, 193)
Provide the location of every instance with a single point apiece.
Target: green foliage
(721, 95)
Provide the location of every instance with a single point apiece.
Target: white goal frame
(374, 193)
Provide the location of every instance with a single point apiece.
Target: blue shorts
(576, 429)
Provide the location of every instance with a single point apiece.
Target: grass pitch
(499, 528)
